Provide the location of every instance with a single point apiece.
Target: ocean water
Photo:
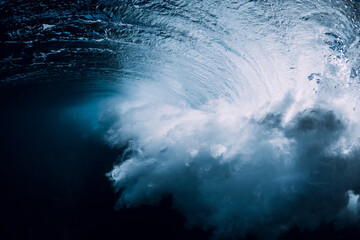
(180, 119)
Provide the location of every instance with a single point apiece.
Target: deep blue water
(53, 175)
(180, 119)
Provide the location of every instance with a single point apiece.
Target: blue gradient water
(245, 112)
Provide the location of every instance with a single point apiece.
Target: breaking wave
(245, 112)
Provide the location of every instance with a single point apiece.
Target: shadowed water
(236, 118)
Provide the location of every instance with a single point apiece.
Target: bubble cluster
(244, 112)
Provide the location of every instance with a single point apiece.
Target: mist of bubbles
(246, 113)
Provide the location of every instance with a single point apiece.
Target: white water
(246, 112)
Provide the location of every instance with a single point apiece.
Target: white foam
(230, 125)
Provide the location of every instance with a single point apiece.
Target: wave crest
(251, 121)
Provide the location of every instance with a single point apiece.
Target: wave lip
(249, 121)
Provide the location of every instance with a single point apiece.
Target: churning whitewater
(245, 112)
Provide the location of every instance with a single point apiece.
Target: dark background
(53, 160)
(53, 176)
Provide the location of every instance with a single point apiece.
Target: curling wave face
(245, 112)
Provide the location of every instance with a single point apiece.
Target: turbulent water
(245, 112)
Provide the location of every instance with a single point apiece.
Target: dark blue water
(53, 165)
(180, 119)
